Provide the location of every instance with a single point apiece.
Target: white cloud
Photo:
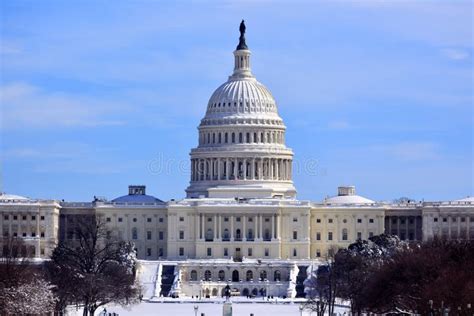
(27, 106)
(455, 53)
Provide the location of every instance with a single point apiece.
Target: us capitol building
(240, 223)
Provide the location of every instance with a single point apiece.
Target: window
(330, 221)
(267, 220)
(263, 275)
(371, 234)
(209, 219)
(267, 252)
(160, 235)
(134, 219)
(33, 217)
(181, 251)
(194, 275)
(209, 252)
(249, 252)
(226, 252)
(445, 219)
(359, 220)
(160, 219)
(402, 221)
(410, 221)
(359, 235)
(148, 235)
(108, 219)
(318, 236)
(24, 217)
(237, 219)
(295, 235)
(148, 252)
(277, 276)
(42, 234)
(134, 233)
(295, 219)
(318, 253)
(435, 219)
(318, 220)
(181, 234)
(371, 220)
(148, 219)
(221, 275)
(250, 219)
(249, 275)
(24, 234)
(226, 219)
(329, 235)
(15, 217)
(160, 252)
(344, 234)
(463, 219)
(207, 275)
(294, 252)
(6, 217)
(120, 219)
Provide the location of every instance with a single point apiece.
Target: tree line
(385, 275)
(89, 271)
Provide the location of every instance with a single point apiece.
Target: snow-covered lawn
(213, 307)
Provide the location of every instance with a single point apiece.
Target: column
(270, 161)
(219, 236)
(205, 168)
(273, 227)
(255, 219)
(459, 227)
(215, 227)
(244, 165)
(203, 220)
(219, 167)
(197, 226)
(278, 233)
(232, 228)
(253, 169)
(260, 169)
(277, 174)
(244, 228)
(260, 231)
(236, 166)
(449, 226)
(398, 226)
(227, 169)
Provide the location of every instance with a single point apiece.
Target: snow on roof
(348, 199)
(467, 199)
(12, 197)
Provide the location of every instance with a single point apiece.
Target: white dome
(12, 197)
(469, 199)
(348, 199)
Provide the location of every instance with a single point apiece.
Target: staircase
(167, 278)
(300, 280)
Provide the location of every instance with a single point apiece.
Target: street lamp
(301, 307)
(196, 308)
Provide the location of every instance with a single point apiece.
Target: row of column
(242, 137)
(203, 169)
(256, 225)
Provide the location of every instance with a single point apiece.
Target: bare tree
(94, 269)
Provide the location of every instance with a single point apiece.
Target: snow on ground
(212, 307)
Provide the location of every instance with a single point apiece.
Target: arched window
(194, 275)
(240, 138)
(220, 138)
(134, 233)
(249, 275)
(254, 137)
(266, 235)
(221, 275)
(245, 292)
(237, 234)
(277, 276)
(344, 234)
(233, 138)
(263, 275)
(250, 234)
(235, 276)
(226, 235)
(209, 235)
(213, 138)
(207, 275)
(262, 139)
(214, 292)
(225, 138)
(208, 138)
(255, 292)
(248, 138)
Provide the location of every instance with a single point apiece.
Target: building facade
(240, 222)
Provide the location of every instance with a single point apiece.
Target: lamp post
(196, 308)
(301, 308)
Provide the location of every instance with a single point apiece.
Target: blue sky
(96, 95)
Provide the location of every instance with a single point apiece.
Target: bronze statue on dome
(242, 44)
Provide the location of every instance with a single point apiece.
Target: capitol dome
(241, 150)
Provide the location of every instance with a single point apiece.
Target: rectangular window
(318, 253)
(330, 221)
(435, 219)
(6, 217)
(267, 252)
(181, 251)
(160, 252)
(15, 217)
(359, 220)
(318, 220)
(181, 234)
(463, 219)
(160, 220)
(267, 220)
(371, 220)
(295, 235)
(295, 219)
(237, 219)
(42, 251)
(209, 219)
(359, 235)
(209, 252)
(249, 252)
(294, 252)
(33, 234)
(42, 235)
(329, 235)
(148, 252)
(318, 236)
(148, 235)
(445, 219)
(226, 252)
(24, 217)
(250, 219)
(371, 234)
(33, 217)
(226, 219)
(119, 219)
(24, 234)
(160, 235)
(148, 219)
(108, 219)
(42, 217)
